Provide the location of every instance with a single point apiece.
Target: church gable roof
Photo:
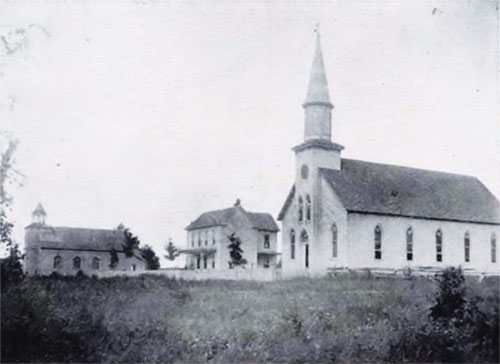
(58, 237)
(394, 190)
(261, 221)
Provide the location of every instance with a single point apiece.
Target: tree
(131, 243)
(149, 255)
(235, 251)
(11, 266)
(113, 261)
(172, 251)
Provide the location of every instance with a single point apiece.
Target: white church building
(344, 213)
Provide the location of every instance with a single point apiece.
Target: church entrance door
(307, 255)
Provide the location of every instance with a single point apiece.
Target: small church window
(303, 236)
(57, 262)
(308, 208)
(77, 263)
(378, 242)
(467, 247)
(493, 248)
(267, 244)
(409, 244)
(95, 263)
(439, 246)
(334, 240)
(301, 209)
(292, 244)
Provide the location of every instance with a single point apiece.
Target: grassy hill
(348, 318)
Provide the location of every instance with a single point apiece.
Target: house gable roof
(394, 190)
(261, 221)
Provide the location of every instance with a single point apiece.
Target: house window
(204, 262)
(493, 248)
(77, 263)
(206, 238)
(133, 267)
(199, 238)
(266, 241)
(467, 247)
(409, 244)
(213, 262)
(192, 240)
(334, 240)
(301, 209)
(266, 262)
(308, 208)
(57, 262)
(378, 242)
(439, 246)
(292, 244)
(198, 261)
(95, 263)
(213, 238)
(303, 236)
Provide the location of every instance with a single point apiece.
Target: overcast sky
(152, 112)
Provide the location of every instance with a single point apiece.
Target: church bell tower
(317, 149)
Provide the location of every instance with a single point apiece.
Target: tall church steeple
(318, 150)
(318, 116)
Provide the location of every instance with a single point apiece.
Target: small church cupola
(38, 215)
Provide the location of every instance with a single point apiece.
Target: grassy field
(348, 318)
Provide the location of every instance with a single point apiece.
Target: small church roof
(401, 191)
(59, 237)
(261, 221)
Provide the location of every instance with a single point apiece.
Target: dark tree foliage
(113, 261)
(130, 244)
(11, 266)
(450, 302)
(456, 329)
(172, 251)
(235, 251)
(149, 255)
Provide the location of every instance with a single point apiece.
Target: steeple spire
(317, 107)
(317, 93)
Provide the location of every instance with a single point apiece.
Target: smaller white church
(343, 213)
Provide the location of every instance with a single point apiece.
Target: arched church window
(303, 236)
(439, 246)
(301, 209)
(493, 248)
(308, 208)
(77, 263)
(334, 240)
(96, 263)
(292, 244)
(409, 244)
(467, 247)
(57, 262)
(378, 242)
